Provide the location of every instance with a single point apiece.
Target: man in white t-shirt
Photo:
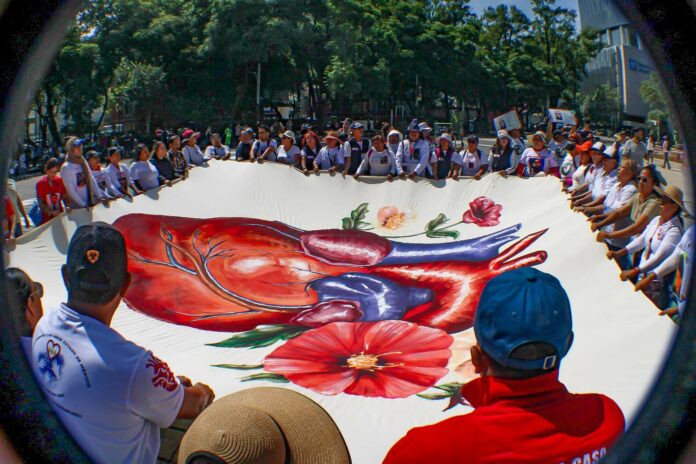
(112, 395)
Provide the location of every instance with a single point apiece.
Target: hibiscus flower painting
(388, 359)
(483, 212)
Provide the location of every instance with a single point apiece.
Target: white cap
(502, 133)
(446, 136)
(394, 132)
(424, 127)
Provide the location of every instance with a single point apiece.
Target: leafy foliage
(261, 336)
(179, 61)
(448, 391)
(434, 229)
(356, 221)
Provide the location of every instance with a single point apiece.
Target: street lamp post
(258, 93)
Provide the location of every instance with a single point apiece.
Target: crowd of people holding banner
(625, 199)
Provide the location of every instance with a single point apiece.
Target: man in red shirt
(8, 220)
(522, 413)
(50, 192)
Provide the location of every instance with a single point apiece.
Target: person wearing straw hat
(288, 152)
(677, 269)
(264, 425)
(330, 157)
(522, 412)
(112, 395)
(537, 160)
(659, 239)
(413, 154)
(192, 153)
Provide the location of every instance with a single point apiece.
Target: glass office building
(622, 63)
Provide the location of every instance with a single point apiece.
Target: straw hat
(332, 135)
(265, 425)
(675, 194)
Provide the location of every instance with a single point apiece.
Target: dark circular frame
(33, 32)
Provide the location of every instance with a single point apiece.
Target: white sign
(564, 117)
(507, 121)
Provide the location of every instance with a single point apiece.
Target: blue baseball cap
(520, 307)
(357, 125)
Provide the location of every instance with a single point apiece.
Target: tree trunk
(106, 103)
(50, 116)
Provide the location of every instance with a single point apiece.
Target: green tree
(603, 106)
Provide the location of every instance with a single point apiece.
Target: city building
(623, 63)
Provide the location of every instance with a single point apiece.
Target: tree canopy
(196, 60)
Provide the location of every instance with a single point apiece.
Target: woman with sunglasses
(632, 218)
(658, 241)
(28, 309)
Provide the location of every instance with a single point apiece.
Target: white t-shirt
(259, 146)
(120, 177)
(679, 261)
(76, 185)
(657, 241)
(615, 199)
(145, 173)
(603, 183)
(111, 394)
(380, 163)
(216, 152)
(535, 162)
(193, 155)
(329, 157)
(470, 162)
(104, 182)
(292, 156)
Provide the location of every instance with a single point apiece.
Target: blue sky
(525, 5)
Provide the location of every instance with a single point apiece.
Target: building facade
(622, 63)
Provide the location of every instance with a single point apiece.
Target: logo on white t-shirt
(51, 362)
(163, 378)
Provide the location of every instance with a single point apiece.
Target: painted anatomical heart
(232, 274)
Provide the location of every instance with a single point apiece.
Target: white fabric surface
(620, 343)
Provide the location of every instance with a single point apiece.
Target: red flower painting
(483, 212)
(388, 359)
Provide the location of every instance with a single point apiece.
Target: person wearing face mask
(413, 154)
(537, 160)
(658, 240)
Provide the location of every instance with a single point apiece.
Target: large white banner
(254, 275)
